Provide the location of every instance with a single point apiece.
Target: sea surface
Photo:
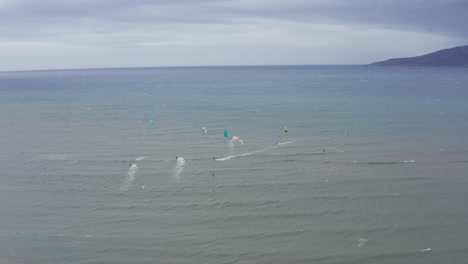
(132, 165)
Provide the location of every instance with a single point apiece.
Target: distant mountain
(454, 57)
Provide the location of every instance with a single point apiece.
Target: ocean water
(373, 168)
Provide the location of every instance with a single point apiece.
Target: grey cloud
(292, 31)
(30, 18)
(439, 16)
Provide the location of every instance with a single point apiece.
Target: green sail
(286, 129)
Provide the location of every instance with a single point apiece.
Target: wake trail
(130, 177)
(253, 152)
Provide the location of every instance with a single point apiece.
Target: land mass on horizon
(454, 57)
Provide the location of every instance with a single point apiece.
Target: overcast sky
(61, 34)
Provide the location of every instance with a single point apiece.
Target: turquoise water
(373, 168)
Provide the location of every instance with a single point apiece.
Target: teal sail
(152, 122)
(225, 133)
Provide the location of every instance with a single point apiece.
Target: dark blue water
(372, 168)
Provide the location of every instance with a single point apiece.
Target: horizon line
(170, 67)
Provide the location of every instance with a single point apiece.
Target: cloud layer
(44, 34)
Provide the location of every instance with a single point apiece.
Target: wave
(335, 149)
(293, 215)
(383, 162)
(48, 235)
(363, 143)
(140, 158)
(281, 161)
(218, 205)
(362, 242)
(116, 208)
(56, 157)
(303, 154)
(264, 235)
(444, 162)
(393, 256)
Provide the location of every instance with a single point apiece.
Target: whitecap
(362, 242)
(57, 157)
(336, 149)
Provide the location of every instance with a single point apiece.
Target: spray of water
(130, 177)
(179, 167)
